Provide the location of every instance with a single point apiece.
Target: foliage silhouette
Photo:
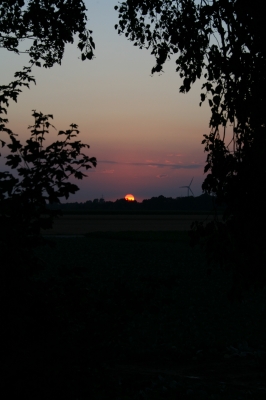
(49, 25)
(43, 178)
(222, 41)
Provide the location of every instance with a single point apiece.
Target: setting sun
(129, 197)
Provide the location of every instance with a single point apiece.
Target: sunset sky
(145, 135)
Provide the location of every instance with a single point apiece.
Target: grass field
(139, 212)
(135, 315)
(81, 224)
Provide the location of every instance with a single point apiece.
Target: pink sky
(145, 135)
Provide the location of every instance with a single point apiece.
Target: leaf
(92, 42)
(216, 100)
(81, 45)
(202, 96)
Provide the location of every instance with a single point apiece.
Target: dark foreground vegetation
(130, 316)
(190, 204)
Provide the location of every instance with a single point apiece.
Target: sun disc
(129, 197)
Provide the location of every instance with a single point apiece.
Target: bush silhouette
(42, 177)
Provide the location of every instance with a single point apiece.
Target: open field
(81, 224)
(134, 315)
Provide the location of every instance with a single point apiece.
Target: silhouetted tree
(47, 26)
(42, 177)
(223, 42)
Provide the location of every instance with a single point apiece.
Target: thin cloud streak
(158, 165)
(107, 171)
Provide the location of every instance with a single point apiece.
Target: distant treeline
(203, 203)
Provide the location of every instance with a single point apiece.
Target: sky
(145, 135)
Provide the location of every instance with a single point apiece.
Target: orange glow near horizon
(129, 197)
